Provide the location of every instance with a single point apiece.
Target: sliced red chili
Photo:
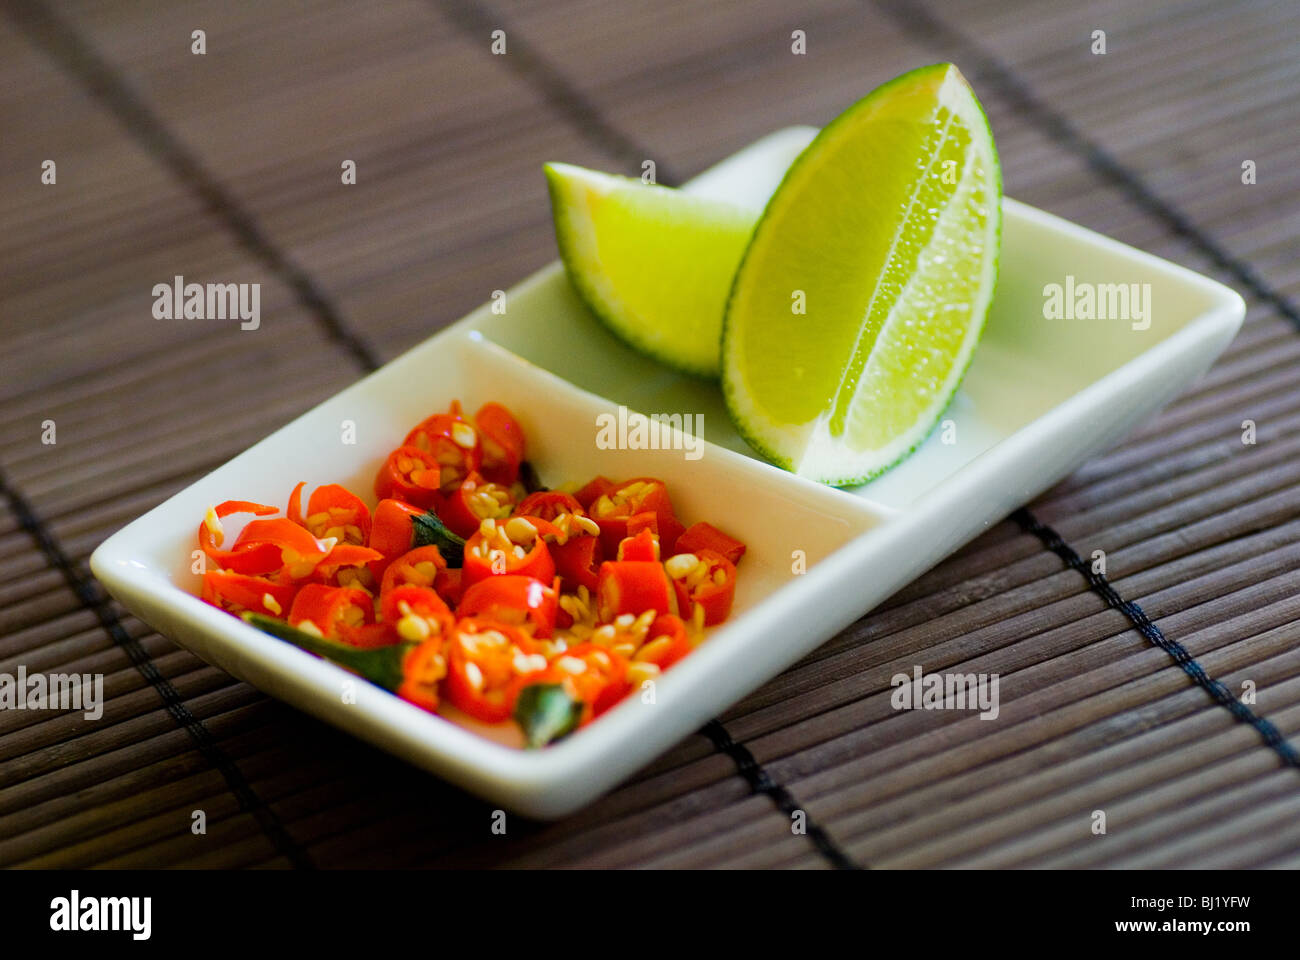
(641, 495)
(416, 613)
(423, 669)
(497, 555)
(446, 535)
(347, 565)
(300, 552)
(236, 592)
(450, 585)
(369, 636)
(333, 511)
(709, 582)
(522, 601)
(646, 520)
(485, 660)
(594, 489)
(392, 533)
(244, 556)
(705, 536)
(420, 567)
(411, 475)
(411, 670)
(578, 562)
(474, 501)
(454, 444)
(633, 586)
(667, 641)
(327, 608)
(643, 545)
(400, 527)
(593, 675)
(549, 504)
(503, 443)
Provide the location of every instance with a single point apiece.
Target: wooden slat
(179, 785)
(424, 236)
(449, 205)
(1186, 93)
(693, 84)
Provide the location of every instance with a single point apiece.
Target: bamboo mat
(226, 165)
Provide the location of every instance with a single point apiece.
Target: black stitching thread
(917, 19)
(61, 42)
(760, 781)
(1177, 652)
(103, 82)
(90, 597)
(921, 22)
(80, 59)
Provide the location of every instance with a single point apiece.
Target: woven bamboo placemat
(226, 165)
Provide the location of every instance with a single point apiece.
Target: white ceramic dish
(1039, 398)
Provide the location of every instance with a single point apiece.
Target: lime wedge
(653, 263)
(861, 296)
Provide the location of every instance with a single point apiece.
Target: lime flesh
(863, 291)
(653, 263)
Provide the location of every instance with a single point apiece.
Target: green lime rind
(601, 309)
(673, 334)
(925, 426)
(854, 481)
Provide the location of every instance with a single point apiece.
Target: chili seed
(529, 663)
(413, 628)
(493, 638)
(571, 665)
(639, 672)
(463, 435)
(681, 565)
(520, 530)
(653, 649)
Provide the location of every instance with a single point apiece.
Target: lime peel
(654, 264)
(893, 313)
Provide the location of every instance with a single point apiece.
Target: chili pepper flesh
(469, 587)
